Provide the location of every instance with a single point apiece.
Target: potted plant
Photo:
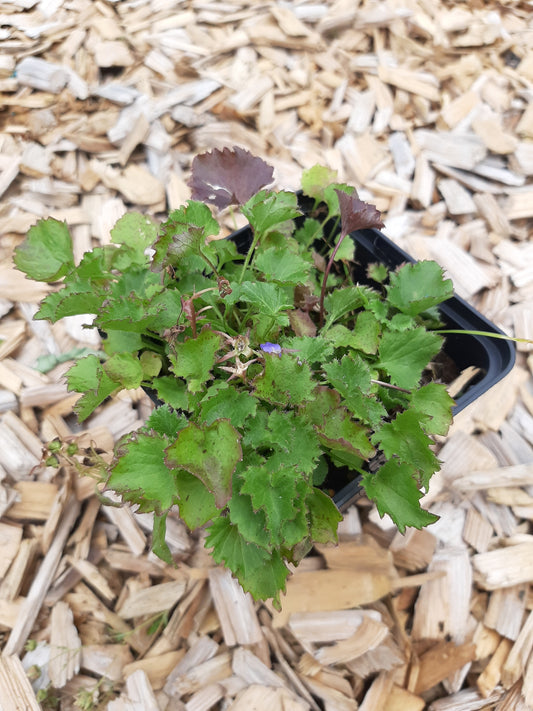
(269, 364)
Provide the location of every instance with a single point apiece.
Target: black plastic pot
(494, 357)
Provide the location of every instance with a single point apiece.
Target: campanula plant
(270, 364)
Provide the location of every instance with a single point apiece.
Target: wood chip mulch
(426, 106)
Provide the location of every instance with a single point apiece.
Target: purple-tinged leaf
(301, 323)
(210, 453)
(356, 214)
(228, 177)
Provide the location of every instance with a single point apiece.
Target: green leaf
(342, 337)
(268, 299)
(401, 322)
(366, 333)
(340, 302)
(124, 369)
(252, 525)
(159, 544)
(310, 231)
(346, 250)
(229, 403)
(141, 306)
(295, 531)
(416, 287)
(325, 401)
(140, 473)
(172, 391)
(185, 230)
(340, 432)
(319, 183)
(273, 492)
(211, 453)
(151, 364)
(351, 378)
(267, 211)
(162, 310)
(395, 493)
(261, 573)
(96, 266)
(434, 407)
(378, 272)
(73, 299)
(310, 349)
(324, 517)
(280, 265)
(87, 376)
(405, 439)
(196, 504)
(165, 421)
(295, 437)
(136, 232)
(46, 253)
(349, 374)
(316, 179)
(404, 355)
(284, 381)
(320, 472)
(121, 341)
(195, 357)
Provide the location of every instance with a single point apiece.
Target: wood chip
(235, 609)
(65, 646)
(39, 587)
(17, 693)
(152, 600)
(426, 108)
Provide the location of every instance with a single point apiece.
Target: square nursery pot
(494, 357)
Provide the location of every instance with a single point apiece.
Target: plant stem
(389, 385)
(249, 255)
(209, 263)
(325, 279)
(489, 334)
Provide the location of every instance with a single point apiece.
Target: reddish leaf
(228, 177)
(356, 214)
(301, 323)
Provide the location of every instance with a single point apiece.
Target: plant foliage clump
(270, 364)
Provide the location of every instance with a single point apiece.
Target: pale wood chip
(504, 567)
(213, 670)
(152, 600)
(17, 693)
(328, 626)
(505, 611)
(157, 669)
(516, 661)
(36, 501)
(459, 151)
(65, 646)
(10, 540)
(138, 694)
(235, 609)
(442, 607)
(106, 660)
(264, 698)
(368, 636)
(41, 582)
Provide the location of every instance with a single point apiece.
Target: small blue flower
(270, 348)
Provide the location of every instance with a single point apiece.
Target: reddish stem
(325, 280)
